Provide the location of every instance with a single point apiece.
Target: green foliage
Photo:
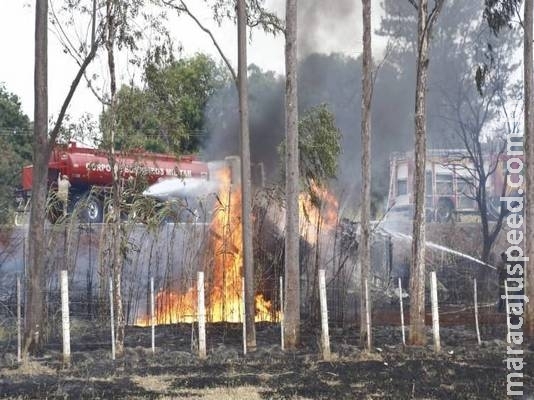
(258, 15)
(167, 115)
(499, 13)
(16, 144)
(319, 148)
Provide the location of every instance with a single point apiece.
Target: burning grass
(224, 299)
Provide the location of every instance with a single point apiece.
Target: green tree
(167, 114)
(15, 140)
(319, 147)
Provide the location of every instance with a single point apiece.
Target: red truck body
(89, 169)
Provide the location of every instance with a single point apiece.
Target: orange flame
(224, 300)
(317, 211)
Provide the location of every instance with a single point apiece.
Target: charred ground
(463, 370)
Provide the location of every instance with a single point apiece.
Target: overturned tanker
(90, 175)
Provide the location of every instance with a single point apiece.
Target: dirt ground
(463, 370)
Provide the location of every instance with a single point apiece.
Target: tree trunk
(42, 147)
(33, 329)
(292, 270)
(364, 247)
(417, 272)
(484, 222)
(246, 185)
(114, 217)
(529, 162)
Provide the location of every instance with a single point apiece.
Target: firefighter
(63, 186)
(502, 275)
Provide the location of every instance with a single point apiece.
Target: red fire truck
(450, 184)
(90, 176)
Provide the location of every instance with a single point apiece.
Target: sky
(322, 30)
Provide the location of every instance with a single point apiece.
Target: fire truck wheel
(444, 211)
(93, 209)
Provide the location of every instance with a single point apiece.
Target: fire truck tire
(444, 211)
(93, 210)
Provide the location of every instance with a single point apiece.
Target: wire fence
(172, 254)
(176, 317)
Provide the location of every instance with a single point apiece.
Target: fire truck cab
(450, 185)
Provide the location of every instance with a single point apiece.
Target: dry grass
(26, 368)
(230, 393)
(158, 384)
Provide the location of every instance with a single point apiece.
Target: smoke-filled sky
(335, 79)
(318, 33)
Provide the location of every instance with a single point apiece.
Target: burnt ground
(463, 370)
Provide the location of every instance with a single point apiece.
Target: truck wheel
(444, 211)
(92, 209)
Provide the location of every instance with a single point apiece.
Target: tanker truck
(90, 176)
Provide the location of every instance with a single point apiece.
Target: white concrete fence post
(152, 315)
(476, 310)
(65, 321)
(402, 313)
(368, 316)
(282, 312)
(435, 311)
(325, 336)
(243, 316)
(201, 316)
(19, 321)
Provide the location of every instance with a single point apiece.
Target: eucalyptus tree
(364, 247)
(246, 184)
(502, 14)
(291, 334)
(425, 23)
(251, 13)
(123, 32)
(43, 142)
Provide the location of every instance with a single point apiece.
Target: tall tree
(122, 31)
(113, 13)
(529, 163)
(417, 271)
(364, 247)
(42, 147)
(499, 14)
(34, 319)
(292, 272)
(246, 184)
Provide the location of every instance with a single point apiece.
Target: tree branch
(90, 56)
(183, 8)
(414, 4)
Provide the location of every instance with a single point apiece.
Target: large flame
(318, 211)
(225, 300)
(224, 297)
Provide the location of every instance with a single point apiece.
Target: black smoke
(332, 79)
